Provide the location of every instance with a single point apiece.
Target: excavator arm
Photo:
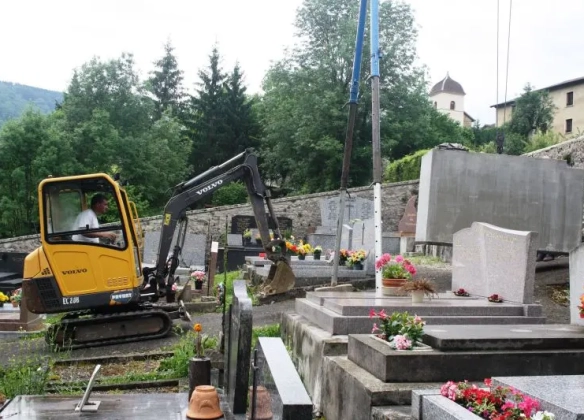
(190, 192)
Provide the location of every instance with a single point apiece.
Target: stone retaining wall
(304, 210)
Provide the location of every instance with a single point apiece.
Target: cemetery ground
(29, 366)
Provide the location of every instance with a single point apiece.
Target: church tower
(447, 96)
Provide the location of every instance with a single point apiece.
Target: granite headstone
(239, 348)
(407, 224)
(355, 208)
(241, 222)
(193, 252)
(488, 260)
(277, 373)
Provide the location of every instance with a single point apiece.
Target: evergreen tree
(165, 84)
(210, 133)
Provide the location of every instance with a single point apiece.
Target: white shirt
(86, 218)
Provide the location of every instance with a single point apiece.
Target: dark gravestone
(193, 252)
(239, 348)
(277, 373)
(240, 223)
(407, 224)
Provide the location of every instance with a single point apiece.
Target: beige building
(447, 96)
(568, 97)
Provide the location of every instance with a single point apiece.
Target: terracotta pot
(393, 282)
(204, 404)
(263, 407)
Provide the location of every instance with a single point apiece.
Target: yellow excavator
(94, 273)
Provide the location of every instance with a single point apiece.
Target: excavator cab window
(69, 217)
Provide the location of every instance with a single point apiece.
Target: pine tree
(165, 84)
(241, 120)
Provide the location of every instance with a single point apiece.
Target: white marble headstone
(487, 259)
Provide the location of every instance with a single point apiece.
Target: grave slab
(561, 395)
(390, 365)
(490, 260)
(504, 337)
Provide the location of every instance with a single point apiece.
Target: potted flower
(3, 298)
(258, 239)
(246, 237)
(316, 252)
(461, 292)
(401, 330)
(16, 297)
(495, 298)
(394, 272)
(198, 278)
(356, 259)
(343, 255)
(199, 363)
(303, 249)
(581, 306)
(419, 288)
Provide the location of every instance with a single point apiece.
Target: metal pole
(354, 95)
(377, 169)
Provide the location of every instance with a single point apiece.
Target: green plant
(272, 330)
(177, 366)
(398, 324)
(234, 193)
(406, 168)
(24, 377)
(247, 234)
(398, 268)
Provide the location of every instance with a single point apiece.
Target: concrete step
(389, 365)
(338, 324)
(396, 412)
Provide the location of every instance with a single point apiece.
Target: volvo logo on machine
(76, 271)
(210, 187)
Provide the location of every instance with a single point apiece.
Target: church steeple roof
(447, 85)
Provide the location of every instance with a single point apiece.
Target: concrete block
(459, 188)
(394, 412)
(437, 407)
(390, 365)
(417, 397)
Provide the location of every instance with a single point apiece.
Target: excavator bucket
(280, 279)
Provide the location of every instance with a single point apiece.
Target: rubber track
(72, 320)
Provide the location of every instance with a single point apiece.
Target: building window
(435, 104)
(452, 105)
(569, 98)
(569, 125)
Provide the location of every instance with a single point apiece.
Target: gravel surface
(547, 281)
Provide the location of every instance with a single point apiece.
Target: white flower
(543, 415)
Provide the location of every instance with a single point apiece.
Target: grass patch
(426, 260)
(178, 363)
(272, 330)
(25, 377)
(231, 277)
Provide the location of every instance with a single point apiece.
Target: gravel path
(546, 282)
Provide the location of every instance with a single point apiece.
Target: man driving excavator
(87, 219)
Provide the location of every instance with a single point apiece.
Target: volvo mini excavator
(107, 293)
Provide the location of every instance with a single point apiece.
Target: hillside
(14, 99)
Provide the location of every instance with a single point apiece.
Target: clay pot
(204, 404)
(263, 407)
(393, 282)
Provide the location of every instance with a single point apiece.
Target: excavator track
(87, 329)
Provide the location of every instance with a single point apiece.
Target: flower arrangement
(494, 403)
(198, 275)
(356, 256)
(317, 249)
(428, 287)
(402, 330)
(304, 248)
(247, 234)
(398, 268)
(581, 306)
(16, 295)
(3, 298)
(461, 292)
(290, 246)
(199, 341)
(495, 298)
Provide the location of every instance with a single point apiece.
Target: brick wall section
(303, 210)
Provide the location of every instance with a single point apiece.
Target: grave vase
(358, 266)
(301, 256)
(198, 284)
(316, 255)
(417, 296)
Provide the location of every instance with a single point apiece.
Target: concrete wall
(513, 192)
(303, 210)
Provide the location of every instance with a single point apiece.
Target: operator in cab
(87, 219)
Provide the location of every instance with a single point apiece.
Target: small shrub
(406, 168)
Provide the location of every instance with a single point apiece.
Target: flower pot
(316, 255)
(417, 296)
(1, 304)
(198, 285)
(358, 266)
(15, 304)
(301, 256)
(393, 282)
(247, 241)
(204, 404)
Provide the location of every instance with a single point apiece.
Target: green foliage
(234, 193)
(24, 377)
(177, 366)
(16, 98)
(542, 140)
(398, 323)
(534, 110)
(165, 84)
(272, 330)
(406, 168)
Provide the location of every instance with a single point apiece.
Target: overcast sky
(43, 41)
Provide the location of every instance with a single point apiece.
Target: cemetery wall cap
(452, 146)
(204, 404)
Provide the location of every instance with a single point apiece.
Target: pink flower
(399, 259)
(418, 320)
(381, 261)
(411, 269)
(402, 342)
(372, 313)
(382, 314)
(375, 329)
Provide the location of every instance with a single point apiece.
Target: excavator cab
(89, 256)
